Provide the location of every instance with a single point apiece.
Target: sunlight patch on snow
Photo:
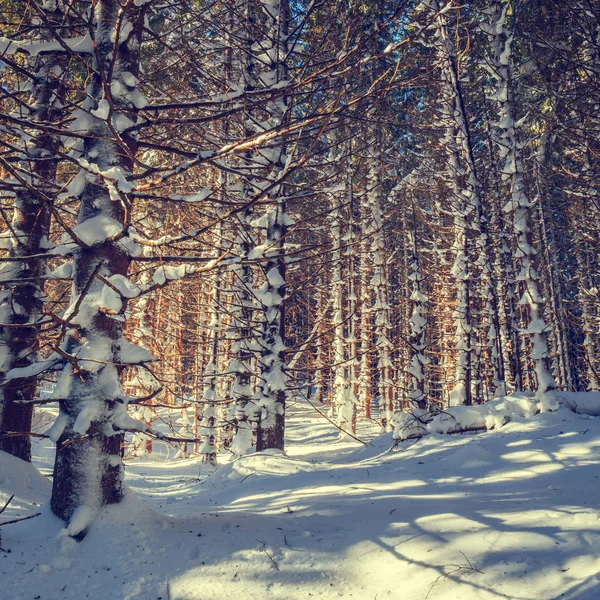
(520, 474)
(527, 456)
(518, 443)
(285, 496)
(574, 451)
(448, 523)
(567, 518)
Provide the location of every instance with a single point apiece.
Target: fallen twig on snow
(20, 519)
(336, 425)
(15, 520)
(456, 570)
(7, 503)
(264, 549)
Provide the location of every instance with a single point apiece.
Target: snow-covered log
(491, 415)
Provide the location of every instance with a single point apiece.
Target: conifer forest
(300, 298)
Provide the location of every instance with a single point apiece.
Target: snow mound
(583, 403)
(270, 463)
(468, 457)
(23, 480)
(492, 415)
(131, 511)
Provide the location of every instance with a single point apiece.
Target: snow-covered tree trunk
(337, 292)
(462, 391)
(490, 322)
(241, 330)
(209, 400)
(343, 299)
(494, 355)
(418, 324)
(461, 206)
(379, 284)
(21, 296)
(351, 406)
(199, 368)
(587, 300)
(320, 382)
(503, 275)
(88, 472)
(509, 326)
(346, 393)
(585, 254)
(400, 293)
(364, 380)
(561, 359)
(271, 394)
(587, 295)
(242, 336)
(518, 208)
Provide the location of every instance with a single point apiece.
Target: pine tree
(88, 472)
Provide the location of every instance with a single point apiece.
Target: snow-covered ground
(506, 514)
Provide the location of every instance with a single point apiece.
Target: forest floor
(507, 514)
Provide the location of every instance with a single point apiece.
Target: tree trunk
(22, 302)
(88, 473)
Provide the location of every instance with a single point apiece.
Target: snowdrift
(491, 415)
(22, 480)
(513, 514)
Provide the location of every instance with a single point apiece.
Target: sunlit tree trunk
(88, 472)
(271, 393)
(22, 294)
